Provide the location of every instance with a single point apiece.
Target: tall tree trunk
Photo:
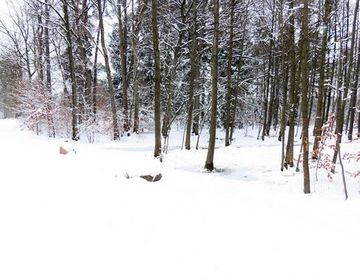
(276, 103)
(289, 158)
(134, 45)
(237, 92)
(116, 133)
(135, 71)
(74, 98)
(155, 37)
(285, 81)
(352, 107)
(173, 66)
(342, 98)
(80, 58)
(40, 47)
(327, 100)
(87, 70)
(267, 87)
(198, 104)
(321, 93)
(48, 70)
(123, 57)
(305, 89)
(192, 78)
(196, 121)
(94, 78)
(273, 93)
(228, 97)
(209, 164)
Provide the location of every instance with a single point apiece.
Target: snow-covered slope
(77, 216)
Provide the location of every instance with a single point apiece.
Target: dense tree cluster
(82, 67)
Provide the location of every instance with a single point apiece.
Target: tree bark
(157, 93)
(285, 81)
(173, 67)
(48, 70)
(94, 78)
(116, 134)
(320, 99)
(267, 88)
(305, 89)
(342, 98)
(123, 57)
(192, 78)
(228, 95)
(74, 98)
(354, 92)
(293, 100)
(134, 45)
(209, 164)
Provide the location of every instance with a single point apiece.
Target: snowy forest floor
(77, 216)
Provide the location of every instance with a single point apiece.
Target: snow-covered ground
(77, 216)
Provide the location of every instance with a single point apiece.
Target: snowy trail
(78, 217)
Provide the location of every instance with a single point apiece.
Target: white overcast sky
(4, 9)
(4, 6)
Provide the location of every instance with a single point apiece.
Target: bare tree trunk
(237, 92)
(155, 37)
(135, 71)
(285, 81)
(327, 101)
(87, 70)
(343, 176)
(170, 92)
(123, 56)
(192, 79)
(74, 98)
(48, 70)
(293, 103)
(134, 44)
(320, 101)
(235, 96)
(272, 102)
(305, 89)
(228, 96)
(353, 98)
(267, 87)
(209, 164)
(94, 78)
(108, 73)
(342, 98)
(41, 42)
(40, 45)
(80, 58)
(199, 113)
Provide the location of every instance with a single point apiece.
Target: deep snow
(76, 216)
